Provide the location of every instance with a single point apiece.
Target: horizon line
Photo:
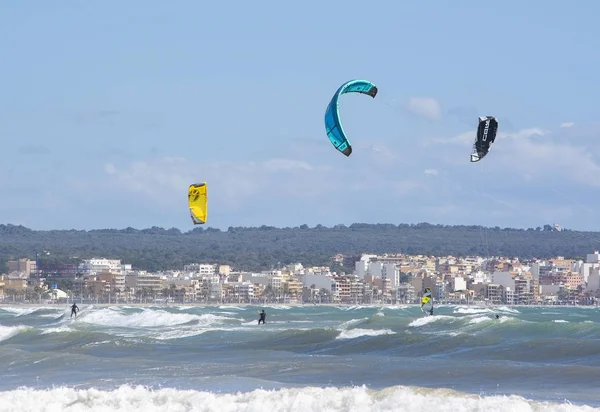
(204, 228)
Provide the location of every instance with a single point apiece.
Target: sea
(305, 358)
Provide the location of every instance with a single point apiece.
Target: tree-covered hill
(256, 248)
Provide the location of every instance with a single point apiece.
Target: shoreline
(204, 304)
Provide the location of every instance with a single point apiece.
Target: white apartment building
(212, 287)
(390, 271)
(140, 280)
(244, 290)
(96, 266)
(593, 281)
(503, 279)
(361, 268)
(320, 281)
(592, 262)
(276, 283)
(201, 269)
(93, 266)
(458, 283)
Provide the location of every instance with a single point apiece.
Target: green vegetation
(265, 247)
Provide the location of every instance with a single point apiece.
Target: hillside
(264, 247)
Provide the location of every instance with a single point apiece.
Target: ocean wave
(357, 333)
(147, 318)
(7, 332)
(431, 319)
(33, 310)
(350, 399)
(230, 307)
(352, 322)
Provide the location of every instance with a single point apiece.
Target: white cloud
(291, 188)
(522, 134)
(153, 179)
(551, 162)
(427, 107)
(110, 169)
(462, 138)
(276, 191)
(286, 164)
(567, 124)
(468, 138)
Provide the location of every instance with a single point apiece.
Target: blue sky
(109, 110)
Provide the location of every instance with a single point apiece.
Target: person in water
(497, 316)
(74, 309)
(262, 318)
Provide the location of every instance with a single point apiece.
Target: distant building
(25, 266)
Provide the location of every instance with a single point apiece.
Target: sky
(110, 110)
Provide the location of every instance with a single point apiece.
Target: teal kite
(333, 126)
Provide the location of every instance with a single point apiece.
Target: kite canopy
(197, 202)
(333, 126)
(427, 301)
(486, 134)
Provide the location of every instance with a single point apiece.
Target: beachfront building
(202, 269)
(593, 282)
(592, 262)
(405, 293)
(24, 267)
(142, 280)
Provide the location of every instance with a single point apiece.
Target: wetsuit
(262, 318)
(74, 310)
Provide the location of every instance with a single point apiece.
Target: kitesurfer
(262, 318)
(74, 309)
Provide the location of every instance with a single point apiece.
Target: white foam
(147, 318)
(483, 309)
(507, 309)
(357, 333)
(347, 308)
(429, 319)
(359, 399)
(350, 323)
(479, 319)
(474, 311)
(232, 307)
(282, 307)
(7, 332)
(60, 329)
(29, 311)
(560, 321)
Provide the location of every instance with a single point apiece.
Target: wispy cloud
(522, 134)
(426, 107)
(33, 150)
(266, 190)
(468, 138)
(553, 162)
(287, 164)
(567, 124)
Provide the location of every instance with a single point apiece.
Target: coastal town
(376, 279)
